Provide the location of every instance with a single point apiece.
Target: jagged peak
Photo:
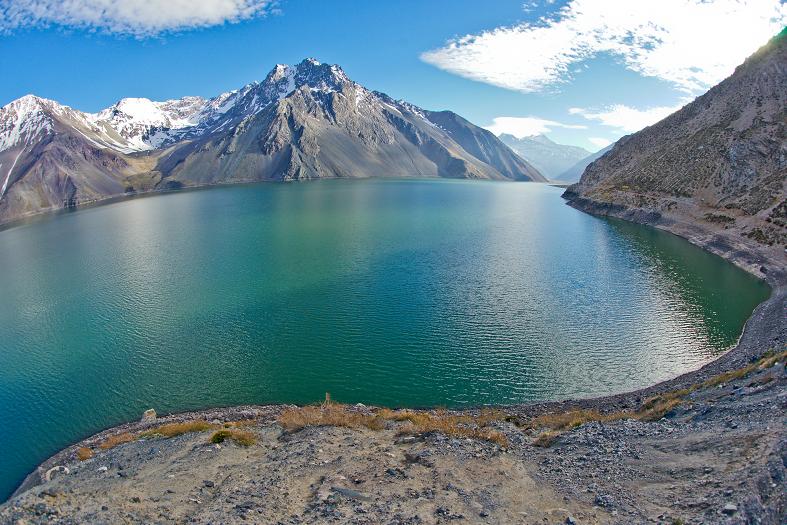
(25, 118)
(30, 102)
(278, 72)
(309, 72)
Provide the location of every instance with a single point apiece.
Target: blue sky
(535, 66)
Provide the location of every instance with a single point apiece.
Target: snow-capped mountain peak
(138, 124)
(319, 76)
(24, 121)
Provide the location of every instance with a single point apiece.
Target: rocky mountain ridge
(302, 122)
(714, 172)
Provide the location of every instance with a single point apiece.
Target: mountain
(548, 157)
(573, 173)
(715, 171)
(301, 122)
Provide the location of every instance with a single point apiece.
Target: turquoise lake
(391, 292)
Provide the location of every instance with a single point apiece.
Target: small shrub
(760, 236)
(240, 437)
(719, 218)
(118, 439)
(84, 453)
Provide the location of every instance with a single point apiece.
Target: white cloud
(135, 17)
(526, 126)
(626, 118)
(600, 142)
(693, 44)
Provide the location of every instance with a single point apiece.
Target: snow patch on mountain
(140, 124)
(8, 175)
(24, 121)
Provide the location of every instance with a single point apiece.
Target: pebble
(730, 509)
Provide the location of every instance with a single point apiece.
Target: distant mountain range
(548, 157)
(302, 122)
(573, 173)
(715, 171)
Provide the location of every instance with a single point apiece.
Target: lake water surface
(406, 293)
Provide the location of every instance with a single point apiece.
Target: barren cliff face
(721, 160)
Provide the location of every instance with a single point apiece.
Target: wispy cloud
(692, 44)
(625, 118)
(526, 126)
(140, 18)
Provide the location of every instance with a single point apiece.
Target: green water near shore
(423, 292)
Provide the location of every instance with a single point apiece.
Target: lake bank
(386, 292)
(715, 456)
(765, 329)
(725, 445)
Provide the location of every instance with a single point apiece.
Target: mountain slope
(573, 173)
(714, 171)
(302, 122)
(547, 156)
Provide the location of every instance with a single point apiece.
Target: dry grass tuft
(171, 430)
(242, 423)
(658, 409)
(565, 420)
(766, 361)
(490, 415)
(84, 453)
(652, 409)
(240, 437)
(453, 425)
(327, 414)
(546, 439)
(338, 415)
(726, 377)
(118, 439)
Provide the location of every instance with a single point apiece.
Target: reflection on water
(384, 292)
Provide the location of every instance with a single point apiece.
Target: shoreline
(765, 329)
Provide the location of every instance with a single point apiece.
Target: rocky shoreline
(718, 456)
